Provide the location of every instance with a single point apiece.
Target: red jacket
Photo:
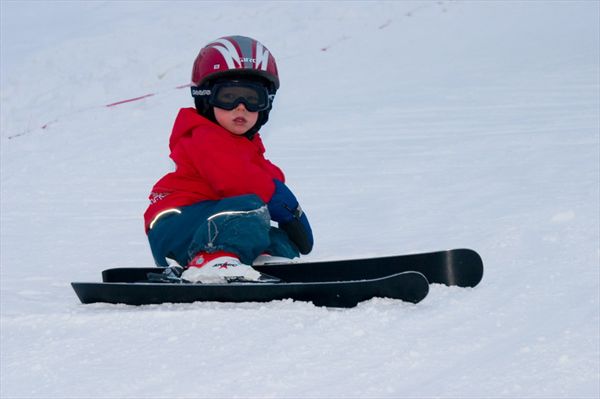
(211, 164)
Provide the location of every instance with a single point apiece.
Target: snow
(403, 127)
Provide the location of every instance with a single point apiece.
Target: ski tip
(419, 289)
(471, 269)
(409, 286)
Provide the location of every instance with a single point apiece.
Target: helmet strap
(263, 117)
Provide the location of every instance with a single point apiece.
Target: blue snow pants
(240, 225)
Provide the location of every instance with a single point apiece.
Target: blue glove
(283, 204)
(286, 211)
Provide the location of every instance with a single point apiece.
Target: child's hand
(283, 205)
(286, 211)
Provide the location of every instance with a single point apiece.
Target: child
(213, 214)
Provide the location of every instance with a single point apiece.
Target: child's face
(238, 121)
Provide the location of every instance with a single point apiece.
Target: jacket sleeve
(229, 168)
(275, 172)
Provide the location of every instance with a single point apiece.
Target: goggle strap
(198, 91)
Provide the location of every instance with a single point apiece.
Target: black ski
(407, 286)
(455, 267)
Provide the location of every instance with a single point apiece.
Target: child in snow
(213, 214)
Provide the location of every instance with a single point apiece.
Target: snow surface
(403, 127)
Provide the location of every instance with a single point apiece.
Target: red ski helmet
(238, 56)
(233, 57)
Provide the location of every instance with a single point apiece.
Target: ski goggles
(228, 95)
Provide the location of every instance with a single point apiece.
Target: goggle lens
(229, 95)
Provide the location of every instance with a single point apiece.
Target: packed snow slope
(402, 126)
